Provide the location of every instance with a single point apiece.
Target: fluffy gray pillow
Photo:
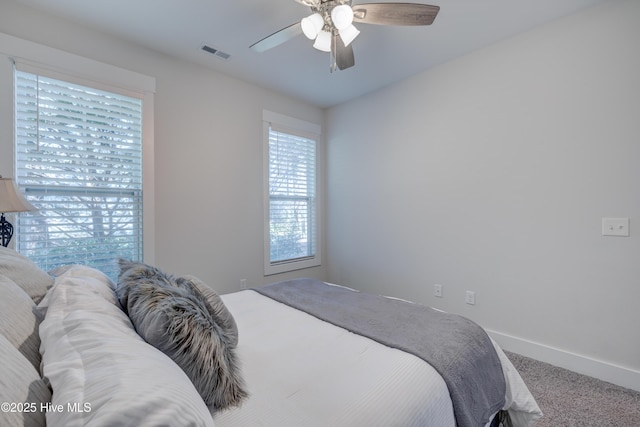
(172, 315)
(218, 310)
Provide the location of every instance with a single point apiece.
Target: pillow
(132, 272)
(218, 310)
(18, 321)
(94, 359)
(174, 316)
(25, 273)
(20, 385)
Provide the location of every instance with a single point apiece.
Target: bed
(74, 355)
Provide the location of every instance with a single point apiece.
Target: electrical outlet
(243, 284)
(615, 227)
(470, 298)
(437, 290)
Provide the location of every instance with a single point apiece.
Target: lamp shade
(342, 16)
(10, 198)
(312, 25)
(349, 34)
(323, 41)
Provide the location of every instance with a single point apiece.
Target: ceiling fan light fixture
(348, 34)
(330, 25)
(312, 25)
(342, 16)
(323, 41)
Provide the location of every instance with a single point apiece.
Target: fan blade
(395, 13)
(343, 54)
(277, 38)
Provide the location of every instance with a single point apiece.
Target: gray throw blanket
(458, 349)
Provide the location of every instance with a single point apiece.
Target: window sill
(286, 266)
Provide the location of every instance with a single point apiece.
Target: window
(79, 161)
(291, 194)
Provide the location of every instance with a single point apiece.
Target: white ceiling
(383, 54)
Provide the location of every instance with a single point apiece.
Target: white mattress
(301, 371)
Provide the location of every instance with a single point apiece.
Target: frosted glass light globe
(323, 41)
(312, 25)
(342, 16)
(348, 34)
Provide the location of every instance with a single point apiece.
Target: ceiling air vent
(216, 52)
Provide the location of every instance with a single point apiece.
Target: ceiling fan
(331, 25)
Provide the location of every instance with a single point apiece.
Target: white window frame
(305, 129)
(63, 65)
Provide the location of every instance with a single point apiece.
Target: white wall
(208, 152)
(491, 173)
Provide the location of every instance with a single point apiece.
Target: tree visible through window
(292, 232)
(79, 161)
(292, 192)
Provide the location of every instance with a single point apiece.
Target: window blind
(292, 197)
(79, 161)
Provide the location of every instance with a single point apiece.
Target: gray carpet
(568, 399)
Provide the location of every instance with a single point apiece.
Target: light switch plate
(615, 227)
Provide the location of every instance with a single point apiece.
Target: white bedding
(326, 376)
(299, 371)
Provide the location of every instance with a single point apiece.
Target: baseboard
(619, 375)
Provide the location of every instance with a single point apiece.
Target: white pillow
(21, 388)
(95, 360)
(18, 322)
(25, 273)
